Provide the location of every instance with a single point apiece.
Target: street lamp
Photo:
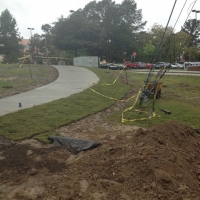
(180, 48)
(108, 41)
(174, 48)
(31, 42)
(196, 11)
(31, 30)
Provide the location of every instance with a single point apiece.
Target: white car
(174, 66)
(180, 65)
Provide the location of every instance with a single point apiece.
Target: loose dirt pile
(162, 162)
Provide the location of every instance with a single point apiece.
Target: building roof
(24, 42)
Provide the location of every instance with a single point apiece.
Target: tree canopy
(113, 31)
(101, 28)
(9, 37)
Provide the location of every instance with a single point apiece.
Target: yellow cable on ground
(115, 79)
(130, 108)
(105, 95)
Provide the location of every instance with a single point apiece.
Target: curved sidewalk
(71, 80)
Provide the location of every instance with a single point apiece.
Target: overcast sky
(35, 13)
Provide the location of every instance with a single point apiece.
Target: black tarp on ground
(5, 143)
(72, 144)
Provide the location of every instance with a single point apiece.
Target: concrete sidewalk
(71, 80)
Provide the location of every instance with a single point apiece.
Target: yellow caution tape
(20, 67)
(115, 79)
(104, 95)
(130, 108)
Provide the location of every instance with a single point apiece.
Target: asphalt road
(71, 80)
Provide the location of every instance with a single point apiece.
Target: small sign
(134, 54)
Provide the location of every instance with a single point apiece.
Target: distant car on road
(149, 65)
(117, 66)
(180, 65)
(162, 64)
(159, 65)
(141, 65)
(104, 65)
(128, 64)
(174, 66)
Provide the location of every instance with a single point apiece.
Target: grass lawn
(42, 120)
(181, 97)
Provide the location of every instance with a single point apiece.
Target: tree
(90, 29)
(9, 37)
(149, 48)
(75, 33)
(164, 45)
(191, 27)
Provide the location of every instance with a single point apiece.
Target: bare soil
(131, 163)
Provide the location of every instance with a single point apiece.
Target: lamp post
(196, 24)
(31, 42)
(108, 41)
(174, 48)
(1, 45)
(180, 57)
(196, 11)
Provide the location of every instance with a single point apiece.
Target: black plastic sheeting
(72, 144)
(5, 144)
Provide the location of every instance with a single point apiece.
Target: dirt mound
(162, 162)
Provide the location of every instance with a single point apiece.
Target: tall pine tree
(9, 37)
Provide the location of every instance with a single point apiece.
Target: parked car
(174, 66)
(168, 65)
(117, 67)
(141, 65)
(180, 65)
(104, 65)
(159, 65)
(162, 64)
(148, 65)
(128, 64)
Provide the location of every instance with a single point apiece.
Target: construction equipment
(152, 87)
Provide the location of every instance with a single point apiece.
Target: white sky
(35, 13)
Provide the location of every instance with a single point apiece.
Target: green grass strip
(43, 119)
